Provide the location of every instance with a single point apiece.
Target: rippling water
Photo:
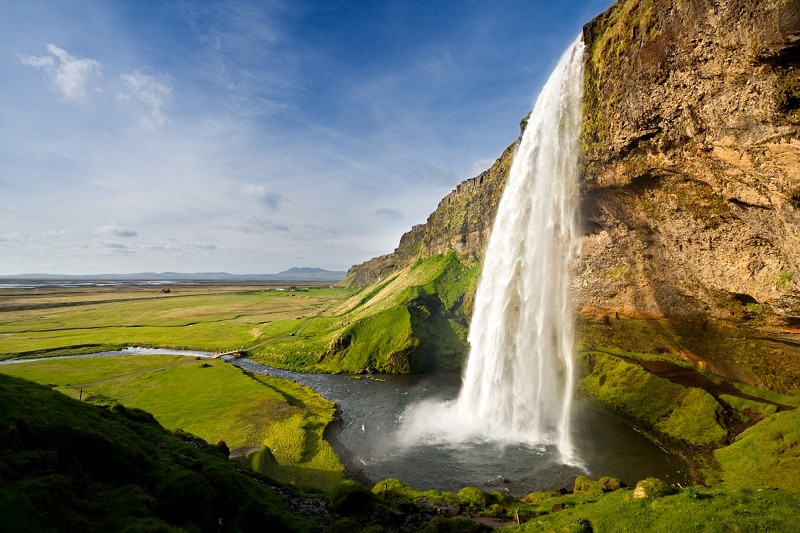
(367, 439)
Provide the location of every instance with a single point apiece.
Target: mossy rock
(654, 488)
(474, 498)
(350, 498)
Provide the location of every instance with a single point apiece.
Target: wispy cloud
(72, 76)
(203, 246)
(258, 225)
(390, 214)
(114, 247)
(153, 92)
(270, 199)
(113, 229)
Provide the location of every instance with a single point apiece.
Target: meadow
(210, 399)
(207, 398)
(60, 321)
(279, 424)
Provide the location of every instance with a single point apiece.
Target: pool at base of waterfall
(368, 438)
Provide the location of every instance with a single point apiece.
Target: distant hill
(304, 270)
(293, 274)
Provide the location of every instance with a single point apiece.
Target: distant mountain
(304, 270)
(298, 274)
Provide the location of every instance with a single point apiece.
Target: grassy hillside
(210, 399)
(413, 321)
(69, 466)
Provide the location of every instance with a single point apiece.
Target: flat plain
(208, 317)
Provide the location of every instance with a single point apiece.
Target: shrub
(585, 484)
(474, 498)
(350, 498)
(653, 488)
(222, 447)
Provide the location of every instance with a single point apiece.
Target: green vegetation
(785, 277)
(604, 506)
(742, 437)
(211, 318)
(411, 322)
(685, 416)
(69, 466)
(766, 455)
(210, 399)
(669, 509)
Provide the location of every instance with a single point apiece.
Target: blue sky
(250, 137)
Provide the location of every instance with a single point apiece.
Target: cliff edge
(690, 194)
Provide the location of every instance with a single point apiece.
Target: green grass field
(210, 399)
(414, 321)
(211, 318)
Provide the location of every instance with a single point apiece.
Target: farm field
(60, 321)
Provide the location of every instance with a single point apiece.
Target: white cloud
(72, 76)
(12, 238)
(438, 67)
(113, 247)
(259, 225)
(204, 246)
(151, 91)
(270, 199)
(477, 167)
(114, 229)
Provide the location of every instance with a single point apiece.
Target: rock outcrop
(691, 189)
(693, 158)
(690, 200)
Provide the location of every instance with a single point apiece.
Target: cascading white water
(518, 383)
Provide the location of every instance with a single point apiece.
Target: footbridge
(238, 352)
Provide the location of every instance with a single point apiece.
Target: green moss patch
(766, 455)
(685, 416)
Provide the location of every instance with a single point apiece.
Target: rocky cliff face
(691, 192)
(693, 157)
(692, 188)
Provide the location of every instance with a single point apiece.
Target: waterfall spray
(518, 383)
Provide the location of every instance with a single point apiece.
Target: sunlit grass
(210, 399)
(194, 319)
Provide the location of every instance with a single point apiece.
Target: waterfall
(518, 383)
